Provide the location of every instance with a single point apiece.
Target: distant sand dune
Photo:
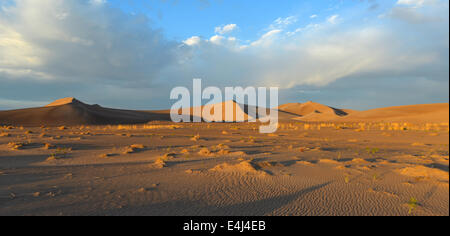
(428, 113)
(70, 111)
(311, 111)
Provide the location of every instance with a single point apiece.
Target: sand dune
(70, 111)
(312, 111)
(427, 113)
(242, 112)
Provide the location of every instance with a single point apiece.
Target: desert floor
(223, 169)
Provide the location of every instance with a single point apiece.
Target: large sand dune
(312, 111)
(69, 111)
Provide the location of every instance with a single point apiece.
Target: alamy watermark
(233, 108)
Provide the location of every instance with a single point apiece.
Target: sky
(357, 54)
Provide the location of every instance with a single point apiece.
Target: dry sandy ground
(223, 169)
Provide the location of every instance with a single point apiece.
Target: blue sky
(358, 54)
(180, 19)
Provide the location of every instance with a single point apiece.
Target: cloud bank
(96, 52)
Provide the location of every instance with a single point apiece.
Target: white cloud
(194, 40)
(226, 29)
(97, 2)
(418, 11)
(217, 39)
(333, 19)
(286, 21)
(313, 16)
(84, 48)
(411, 2)
(267, 38)
(74, 40)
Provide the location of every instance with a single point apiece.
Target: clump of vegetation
(3, 134)
(413, 204)
(168, 156)
(134, 148)
(184, 151)
(372, 151)
(339, 157)
(59, 154)
(375, 177)
(106, 155)
(48, 146)
(195, 138)
(347, 179)
(15, 145)
(205, 152)
(159, 163)
(62, 128)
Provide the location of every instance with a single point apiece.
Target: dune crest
(63, 101)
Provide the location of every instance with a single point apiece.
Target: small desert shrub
(15, 145)
(53, 157)
(205, 152)
(134, 148)
(48, 146)
(184, 151)
(223, 152)
(168, 156)
(195, 138)
(5, 135)
(413, 203)
(159, 163)
(59, 154)
(106, 155)
(347, 179)
(339, 156)
(372, 151)
(220, 146)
